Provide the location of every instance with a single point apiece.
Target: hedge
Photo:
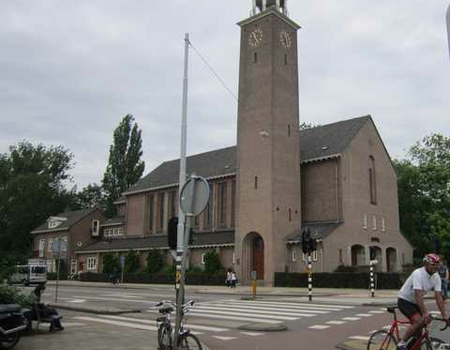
(157, 278)
(356, 280)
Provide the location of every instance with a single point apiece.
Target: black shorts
(407, 308)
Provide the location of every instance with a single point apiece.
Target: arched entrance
(358, 255)
(391, 259)
(253, 256)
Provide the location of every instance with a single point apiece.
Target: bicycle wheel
(382, 340)
(431, 344)
(164, 337)
(190, 342)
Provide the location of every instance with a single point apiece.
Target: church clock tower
(268, 150)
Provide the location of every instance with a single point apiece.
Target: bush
(8, 263)
(212, 263)
(195, 269)
(345, 268)
(131, 262)
(155, 261)
(110, 263)
(169, 269)
(12, 295)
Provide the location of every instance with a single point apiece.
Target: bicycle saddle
(392, 308)
(166, 309)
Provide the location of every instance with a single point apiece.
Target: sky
(71, 70)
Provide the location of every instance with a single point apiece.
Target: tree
(155, 261)
(110, 263)
(125, 166)
(305, 125)
(90, 196)
(31, 189)
(212, 262)
(131, 262)
(424, 195)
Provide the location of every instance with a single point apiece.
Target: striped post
(309, 277)
(372, 281)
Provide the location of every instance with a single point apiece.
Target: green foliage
(195, 269)
(7, 264)
(90, 196)
(212, 262)
(169, 269)
(424, 195)
(31, 189)
(12, 295)
(345, 268)
(131, 262)
(305, 125)
(125, 166)
(111, 263)
(155, 261)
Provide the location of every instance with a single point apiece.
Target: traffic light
(172, 233)
(306, 238)
(191, 237)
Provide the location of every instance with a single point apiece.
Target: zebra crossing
(220, 319)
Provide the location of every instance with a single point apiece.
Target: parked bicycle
(186, 340)
(388, 339)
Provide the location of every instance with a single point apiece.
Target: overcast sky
(71, 70)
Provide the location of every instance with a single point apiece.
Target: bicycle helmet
(432, 259)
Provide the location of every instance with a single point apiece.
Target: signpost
(58, 246)
(194, 198)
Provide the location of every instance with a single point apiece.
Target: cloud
(70, 72)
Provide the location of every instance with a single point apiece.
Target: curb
(94, 311)
(263, 327)
(351, 345)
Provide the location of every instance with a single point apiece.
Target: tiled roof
(159, 241)
(114, 221)
(318, 142)
(72, 218)
(319, 230)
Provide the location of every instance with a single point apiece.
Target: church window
(256, 182)
(290, 214)
(294, 255)
(374, 223)
(289, 130)
(383, 224)
(372, 181)
(222, 203)
(255, 57)
(160, 223)
(209, 208)
(285, 59)
(364, 221)
(314, 255)
(150, 212)
(172, 201)
(233, 203)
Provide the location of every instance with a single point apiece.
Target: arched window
(372, 181)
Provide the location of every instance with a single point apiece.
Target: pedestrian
(443, 274)
(41, 310)
(233, 279)
(228, 280)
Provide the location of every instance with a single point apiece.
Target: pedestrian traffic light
(172, 233)
(306, 238)
(191, 237)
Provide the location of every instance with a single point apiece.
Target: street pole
(309, 277)
(57, 269)
(372, 281)
(448, 28)
(180, 264)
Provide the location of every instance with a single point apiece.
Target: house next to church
(336, 179)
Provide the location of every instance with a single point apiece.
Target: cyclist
(410, 297)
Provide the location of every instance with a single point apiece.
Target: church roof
(315, 143)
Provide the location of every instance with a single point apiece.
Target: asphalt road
(215, 319)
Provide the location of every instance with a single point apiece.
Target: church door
(258, 257)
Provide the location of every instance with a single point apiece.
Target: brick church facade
(336, 179)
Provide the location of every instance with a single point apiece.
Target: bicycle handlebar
(187, 305)
(441, 320)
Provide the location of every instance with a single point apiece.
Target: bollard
(309, 278)
(372, 280)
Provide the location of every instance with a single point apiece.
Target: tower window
(285, 59)
(290, 214)
(372, 181)
(289, 130)
(256, 182)
(255, 57)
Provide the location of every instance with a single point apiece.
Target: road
(216, 319)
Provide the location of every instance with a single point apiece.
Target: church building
(336, 179)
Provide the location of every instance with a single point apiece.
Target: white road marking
(335, 322)
(319, 327)
(377, 312)
(351, 318)
(252, 333)
(245, 310)
(358, 337)
(364, 315)
(294, 305)
(277, 311)
(119, 299)
(76, 301)
(188, 326)
(204, 312)
(73, 324)
(223, 338)
(236, 318)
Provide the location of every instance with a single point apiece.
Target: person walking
(233, 279)
(443, 273)
(228, 280)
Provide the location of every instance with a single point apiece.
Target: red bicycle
(388, 339)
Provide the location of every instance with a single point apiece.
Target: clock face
(255, 38)
(285, 39)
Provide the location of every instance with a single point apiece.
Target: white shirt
(422, 280)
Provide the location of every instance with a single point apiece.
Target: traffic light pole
(309, 277)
